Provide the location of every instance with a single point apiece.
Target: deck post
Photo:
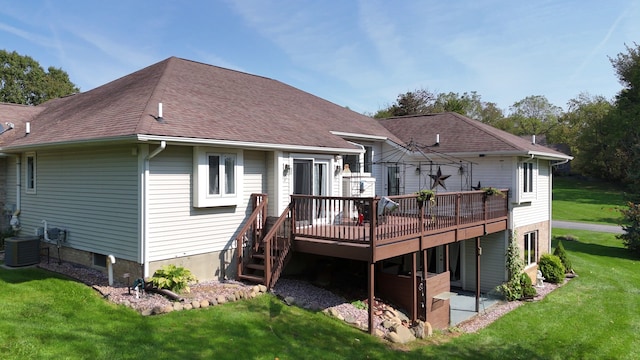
(372, 269)
(424, 282)
(478, 253)
(414, 288)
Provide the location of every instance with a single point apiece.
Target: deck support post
(478, 253)
(372, 269)
(414, 288)
(424, 281)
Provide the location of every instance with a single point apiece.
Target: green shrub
(174, 278)
(512, 289)
(528, 291)
(359, 304)
(551, 268)
(631, 227)
(562, 254)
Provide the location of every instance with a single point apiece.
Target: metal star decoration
(438, 179)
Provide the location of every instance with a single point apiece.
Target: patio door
(311, 178)
(455, 265)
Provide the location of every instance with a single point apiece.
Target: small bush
(562, 254)
(551, 268)
(528, 291)
(174, 278)
(359, 304)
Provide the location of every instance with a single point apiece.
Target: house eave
(180, 141)
(355, 136)
(536, 154)
(247, 145)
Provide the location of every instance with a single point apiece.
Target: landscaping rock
(221, 299)
(177, 306)
(262, 288)
(146, 312)
(195, 304)
(422, 330)
(404, 334)
(204, 303)
(289, 300)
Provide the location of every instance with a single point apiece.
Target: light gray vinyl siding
(92, 192)
(494, 172)
(492, 262)
(537, 210)
(175, 227)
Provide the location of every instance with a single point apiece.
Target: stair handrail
(254, 222)
(272, 273)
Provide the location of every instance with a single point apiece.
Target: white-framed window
(530, 248)
(30, 170)
(217, 177)
(528, 180)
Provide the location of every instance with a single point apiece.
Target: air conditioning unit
(21, 251)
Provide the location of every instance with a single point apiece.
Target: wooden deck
(371, 230)
(329, 225)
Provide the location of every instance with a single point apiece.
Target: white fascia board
(359, 136)
(248, 145)
(536, 154)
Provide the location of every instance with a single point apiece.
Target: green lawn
(586, 201)
(594, 316)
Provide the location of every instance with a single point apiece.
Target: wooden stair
(254, 269)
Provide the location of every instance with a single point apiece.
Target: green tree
(415, 102)
(533, 115)
(24, 81)
(624, 121)
(584, 128)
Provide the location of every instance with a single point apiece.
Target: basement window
(100, 260)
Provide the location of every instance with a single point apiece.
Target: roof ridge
(486, 129)
(157, 92)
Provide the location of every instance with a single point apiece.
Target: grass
(587, 201)
(596, 315)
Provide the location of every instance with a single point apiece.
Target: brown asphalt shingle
(459, 134)
(200, 101)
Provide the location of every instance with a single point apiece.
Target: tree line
(603, 134)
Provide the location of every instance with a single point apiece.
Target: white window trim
(526, 196)
(201, 196)
(28, 189)
(536, 251)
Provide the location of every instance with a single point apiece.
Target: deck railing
(381, 220)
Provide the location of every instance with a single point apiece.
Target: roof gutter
(247, 144)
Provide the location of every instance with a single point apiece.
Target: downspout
(15, 221)
(145, 207)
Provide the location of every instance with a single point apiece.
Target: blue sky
(359, 54)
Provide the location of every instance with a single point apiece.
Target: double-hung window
(528, 178)
(217, 177)
(530, 248)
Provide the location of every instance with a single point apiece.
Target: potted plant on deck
(424, 195)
